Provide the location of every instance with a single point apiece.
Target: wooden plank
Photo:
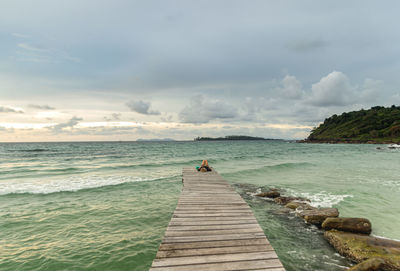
(211, 203)
(268, 265)
(212, 244)
(215, 258)
(190, 222)
(212, 237)
(216, 214)
(212, 211)
(212, 251)
(211, 232)
(213, 228)
(212, 207)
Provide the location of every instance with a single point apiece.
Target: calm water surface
(105, 206)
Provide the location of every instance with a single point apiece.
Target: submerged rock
(317, 216)
(357, 225)
(286, 200)
(299, 205)
(360, 247)
(269, 194)
(372, 264)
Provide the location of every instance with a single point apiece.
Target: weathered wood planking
(213, 228)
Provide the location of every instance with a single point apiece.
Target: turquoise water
(105, 206)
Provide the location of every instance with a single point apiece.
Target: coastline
(345, 141)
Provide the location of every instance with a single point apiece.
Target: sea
(106, 205)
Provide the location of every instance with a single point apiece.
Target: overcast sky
(123, 69)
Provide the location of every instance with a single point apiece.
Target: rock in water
(357, 225)
(269, 194)
(360, 247)
(373, 264)
(299, 204)
(286, 200)
(317, 216)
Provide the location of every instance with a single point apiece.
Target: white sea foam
(320, 199)
(70, 184)
(382, 237)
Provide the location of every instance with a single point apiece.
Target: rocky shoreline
(350, 236)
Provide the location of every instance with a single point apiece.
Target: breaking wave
(71, 184)
(320, 199)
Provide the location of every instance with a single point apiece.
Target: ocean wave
(320, 199)
(267, 168)
(29, 150)
(71, 184)
(155, 164)
(391, 239)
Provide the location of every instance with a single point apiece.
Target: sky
(127, 70)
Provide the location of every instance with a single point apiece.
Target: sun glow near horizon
(125, 130)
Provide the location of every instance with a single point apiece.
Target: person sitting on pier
(204, 166)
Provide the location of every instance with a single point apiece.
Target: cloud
(69, 124)
(307, 45)
(203, 110)
(167, 118)
(19, 35)
(113, 117)
(332, 90)
(292, 88)
(31, 53)
(29, 47)
(42, 107)
(9, 109)
(142, 107)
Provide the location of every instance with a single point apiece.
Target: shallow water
(93, 206)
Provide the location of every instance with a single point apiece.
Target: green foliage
(378, 124)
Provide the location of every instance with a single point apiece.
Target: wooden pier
(213, 228)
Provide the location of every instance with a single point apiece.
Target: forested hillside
(376, 125)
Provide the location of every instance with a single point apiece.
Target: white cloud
(10, 109)
(203, 110)
(332, 90)
(41, 107)
(292, 88)
(69, 124)
(50, 115)
(142, 107)
(32, 48)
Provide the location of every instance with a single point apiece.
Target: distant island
(232, 137)
(376, 125)
(155, 140)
